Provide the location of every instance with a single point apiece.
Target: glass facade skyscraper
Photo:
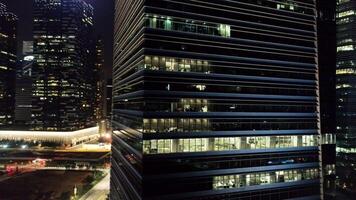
(63, 84)
(215, 100)
(345, 88)
(8, 57)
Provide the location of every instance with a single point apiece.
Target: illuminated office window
(229, 143)
(264, 178)
(186, 25)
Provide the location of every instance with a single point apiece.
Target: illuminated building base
(70, 138)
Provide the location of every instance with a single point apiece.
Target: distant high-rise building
(63, 69)
(27, 48)
(23, 103)
(108, 96)
(345, 95)
(8, 59)
(327, 62)
(215, 100)
(24, 90)
(99, 80)
(108, 103)
(27, 59)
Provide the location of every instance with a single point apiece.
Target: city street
(99, 191)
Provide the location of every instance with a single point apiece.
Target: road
(99, 191)
(4, 178)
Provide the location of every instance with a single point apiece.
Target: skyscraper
(108, 100)
(345, 96)
(327, 64)
(215, 100)
(108, 103)
(99, 80)
(63, 89)
(8, 51)
(24, 90)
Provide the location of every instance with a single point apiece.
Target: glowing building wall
(215, 100)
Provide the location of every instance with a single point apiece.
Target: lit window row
(287, 6)
(345, 150)
(341, 86)
(344, 20)
(169, 125)
(342, 1)
(345, 48)
(175, 64)
(226, 144)
(345, 63)
(185, 25)
(329, 169)
(345, 71)
(243, 180)
(346, 13)
(345, 41)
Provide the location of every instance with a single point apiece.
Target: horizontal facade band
(179, 135)
(207, 95)
(279, 115)
(127, 146)
(120, 178)
(232, 171)
(217, 77)
(165, 52)
(254, 188)
(238, 40)
(245, 23)
(232, 152)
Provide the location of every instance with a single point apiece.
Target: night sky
(103, 23)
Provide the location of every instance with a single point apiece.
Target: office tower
(345, 98)
(327, 64)
(8, 57)
(27, 59)
(215, 100)
(23, 103)
(108, 101)
(27, 48)
(63, 91)
(99, 83)
(99, 80)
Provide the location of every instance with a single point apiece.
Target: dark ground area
(44, 185)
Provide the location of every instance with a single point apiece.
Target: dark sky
(103, 23)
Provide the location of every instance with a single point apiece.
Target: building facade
(345, 88)
(63, 69)
(8, 59)
(24, 88)
(108, 99)
(215, 100)
(99, 80)
(327, 64)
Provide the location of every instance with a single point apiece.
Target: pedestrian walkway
(100, 191)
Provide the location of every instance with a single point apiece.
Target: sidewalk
(99, 191)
